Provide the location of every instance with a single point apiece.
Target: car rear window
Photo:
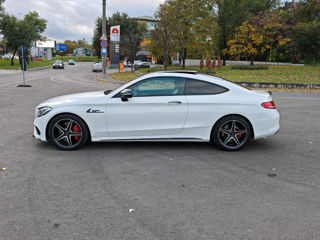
(197, 87)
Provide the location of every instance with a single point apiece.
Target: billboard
(46, 44)
(61, 47)
(115, 33)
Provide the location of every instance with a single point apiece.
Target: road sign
(103, 37)
(104, 51)
(104, 43)
(61, 47)
(23, 54)
(115, 33)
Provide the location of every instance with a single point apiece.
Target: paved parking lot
(269, 190)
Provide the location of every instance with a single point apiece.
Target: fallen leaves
(131, 210)
(3, 169)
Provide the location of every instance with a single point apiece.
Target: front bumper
(39, 128)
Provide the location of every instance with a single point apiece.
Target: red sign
(115, 30)
(175, 58)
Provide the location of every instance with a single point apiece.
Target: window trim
(207, 94)
(146, 79)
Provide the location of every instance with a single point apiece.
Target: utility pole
(104, 32)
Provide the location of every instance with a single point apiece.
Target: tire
(231, 133)
(68, 132)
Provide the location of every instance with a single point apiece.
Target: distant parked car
(58, 64)
(141, 65)
(71, 62)
(175, 63)
(97, 67)
(9, 56)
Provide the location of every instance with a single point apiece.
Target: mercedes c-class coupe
(162, 106)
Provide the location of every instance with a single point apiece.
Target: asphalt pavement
(268, 190)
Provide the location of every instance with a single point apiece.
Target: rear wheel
(68, 132)
(231, 133)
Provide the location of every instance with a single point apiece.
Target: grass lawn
(6, 64)
(123, 76)
(279, 74)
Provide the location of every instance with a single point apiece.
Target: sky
(75, 19)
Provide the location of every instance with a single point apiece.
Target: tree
(307, 36)
(232, 13)
(247, 42)
(18, 32)
(191, 18)
(130, 38)
(276, 33)
(163, 36)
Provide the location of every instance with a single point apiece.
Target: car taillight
(268, 105)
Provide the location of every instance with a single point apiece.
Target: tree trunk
(251, 61)
(184, 58)
(224, 60)
(165, 57)
(12, 62)
(270, 54)
(314, 60)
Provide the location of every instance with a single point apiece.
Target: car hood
(78, 98)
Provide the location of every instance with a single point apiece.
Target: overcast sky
(75, 19)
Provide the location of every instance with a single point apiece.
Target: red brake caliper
(76, 129)
(240, 135)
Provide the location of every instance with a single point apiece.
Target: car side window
(159, 86)
(197, 87)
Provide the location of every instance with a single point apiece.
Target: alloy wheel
(67, 133)
(233, 134)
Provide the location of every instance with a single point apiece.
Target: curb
(39, 68)
(279, 85)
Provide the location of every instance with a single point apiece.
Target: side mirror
(126, 94)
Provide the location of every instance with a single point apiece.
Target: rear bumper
(267, 125)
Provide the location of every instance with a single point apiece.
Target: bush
(250, 67)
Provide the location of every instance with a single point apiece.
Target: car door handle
(175, 102)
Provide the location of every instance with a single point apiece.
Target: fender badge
(90, 110)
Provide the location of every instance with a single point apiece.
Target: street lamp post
(104, 32)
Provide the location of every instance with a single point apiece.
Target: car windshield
(58, 62)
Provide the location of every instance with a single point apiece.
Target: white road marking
(27, 80)
(297, 98)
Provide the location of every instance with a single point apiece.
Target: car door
(157, 108)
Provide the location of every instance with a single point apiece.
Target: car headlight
(43, 111)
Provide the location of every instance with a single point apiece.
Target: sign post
(115, 45)
(23, 54)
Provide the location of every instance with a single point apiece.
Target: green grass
(123, 76)
(6, 64)
(276, 74)
(78, 59)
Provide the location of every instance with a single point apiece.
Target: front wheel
(231, 133)
(68, 132)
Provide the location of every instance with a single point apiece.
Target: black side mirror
(126, 94)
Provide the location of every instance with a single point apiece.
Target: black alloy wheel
(68, 132)
(231, 133)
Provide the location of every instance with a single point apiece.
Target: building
(82, 52)
(151, 24)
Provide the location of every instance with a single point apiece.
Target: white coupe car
(162, 106)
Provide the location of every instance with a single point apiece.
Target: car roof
(195, 76)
